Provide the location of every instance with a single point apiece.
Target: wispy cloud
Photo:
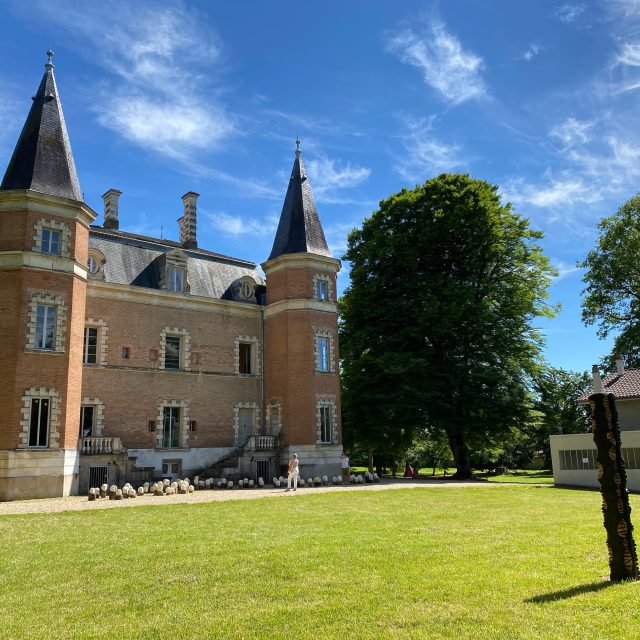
(532, 51)
(627, 8)
(328, 177)
(446, 67)
(161, 58)
(11, 114)
(336, 236)
(425, 154)
(552, 192)
(568, 13)
(236, 225)
(565, 269)
(572, 131)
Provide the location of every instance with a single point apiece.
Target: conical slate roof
(42, 160)
(299, 230)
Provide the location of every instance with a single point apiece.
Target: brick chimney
(619, 364)
(111, 198)
(188, 221)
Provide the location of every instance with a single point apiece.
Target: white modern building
(573, 455)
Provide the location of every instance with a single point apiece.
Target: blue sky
(161, 98)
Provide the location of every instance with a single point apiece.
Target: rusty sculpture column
(623, 558)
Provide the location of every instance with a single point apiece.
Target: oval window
(92, 263)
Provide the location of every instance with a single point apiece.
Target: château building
(126, 357)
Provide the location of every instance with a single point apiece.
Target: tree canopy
(612, 294)
(437, 324)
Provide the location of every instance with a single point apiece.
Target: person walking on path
(344, 468)
(293, 472)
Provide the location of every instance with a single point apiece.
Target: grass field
(491, 562)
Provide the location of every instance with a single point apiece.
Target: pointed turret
(42, 160)
(299, 230)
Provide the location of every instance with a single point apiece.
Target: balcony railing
(261, 443)
(94, 446)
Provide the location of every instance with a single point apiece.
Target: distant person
(293, 472)
(408, 471)
(344, 468)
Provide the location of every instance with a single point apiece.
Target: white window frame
(40, 393)
(176, 278)
(43, 245)
(326, 423)
(236, 420)
(51, 238)
(326, 410)
(256, 360)
(42, 321)
(324, 357)
(50, 300)
(85, 345)
(328, 287)
(183, 435)
(185, 348)
(98, 415)
(322, 290)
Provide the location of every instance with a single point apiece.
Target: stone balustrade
(94, 445)
(261, 443)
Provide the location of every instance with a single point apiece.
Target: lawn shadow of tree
(564, 594)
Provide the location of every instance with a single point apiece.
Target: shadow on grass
(570, 593)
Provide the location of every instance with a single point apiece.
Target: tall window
(45, 327)
(246, 420)
(172, 352)
(39, 422)
(50, 241)
(325, 424)
(246, 358)
(171, 427)
(90, 349)
(92, 263)
(322, 347)
(175, 279)
(86, 421)
(322, 290)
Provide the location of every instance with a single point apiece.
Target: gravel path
(80, 503)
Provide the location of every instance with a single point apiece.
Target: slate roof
(622, 386)
(299, 230)
(131, 259)
(42, 160)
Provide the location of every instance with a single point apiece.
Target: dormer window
(50, 242)
(95, 264)
(172, 271)
(175, 279)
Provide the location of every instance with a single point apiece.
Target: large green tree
(437, 324)
(556, 392)
(612, 294)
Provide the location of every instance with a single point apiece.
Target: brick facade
(188, 344)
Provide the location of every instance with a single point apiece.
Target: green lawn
(521, 476)
(490, 562)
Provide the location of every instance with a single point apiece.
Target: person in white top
(294, 471)
(344, 464)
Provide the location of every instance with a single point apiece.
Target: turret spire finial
(49, 60)
(298, 152)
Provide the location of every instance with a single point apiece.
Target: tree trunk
(623, 558)
(455, 436)
(370, 459)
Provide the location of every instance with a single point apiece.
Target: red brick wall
(132, 389)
